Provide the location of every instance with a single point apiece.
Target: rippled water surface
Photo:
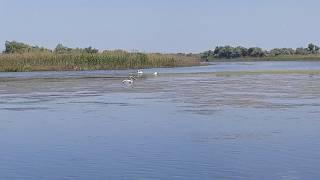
(186, 123)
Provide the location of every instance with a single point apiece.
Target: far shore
(21, 57)
(273, 58)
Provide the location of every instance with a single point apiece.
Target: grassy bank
(46, 61)
(271, 58)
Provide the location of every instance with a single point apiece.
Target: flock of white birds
(131, 79)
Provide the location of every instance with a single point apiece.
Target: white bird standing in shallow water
(155, 73)
(140, 72)
(129, 81)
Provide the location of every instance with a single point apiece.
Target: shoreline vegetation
(21, 57)
(239, 53)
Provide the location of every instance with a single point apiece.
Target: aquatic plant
(44, 61)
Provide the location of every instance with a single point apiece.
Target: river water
(185, 123)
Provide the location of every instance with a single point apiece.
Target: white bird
(140, 72)
(155, 73)
(129, 81)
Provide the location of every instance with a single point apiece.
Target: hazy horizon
(166, 26)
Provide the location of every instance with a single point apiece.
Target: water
(185, 123)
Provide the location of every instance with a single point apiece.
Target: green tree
(317, 48)
(311, 47)
(16, 47)
(91, 50)
(256, 52)
(60, 49)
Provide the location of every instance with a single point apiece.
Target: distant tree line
(12, 47)
(19, 47)
(229, 52)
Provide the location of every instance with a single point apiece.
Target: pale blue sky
(161, 26)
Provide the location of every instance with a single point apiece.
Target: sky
(161, 26)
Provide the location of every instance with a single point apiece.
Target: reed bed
(44, 61)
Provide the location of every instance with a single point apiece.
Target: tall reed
(46, 61)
